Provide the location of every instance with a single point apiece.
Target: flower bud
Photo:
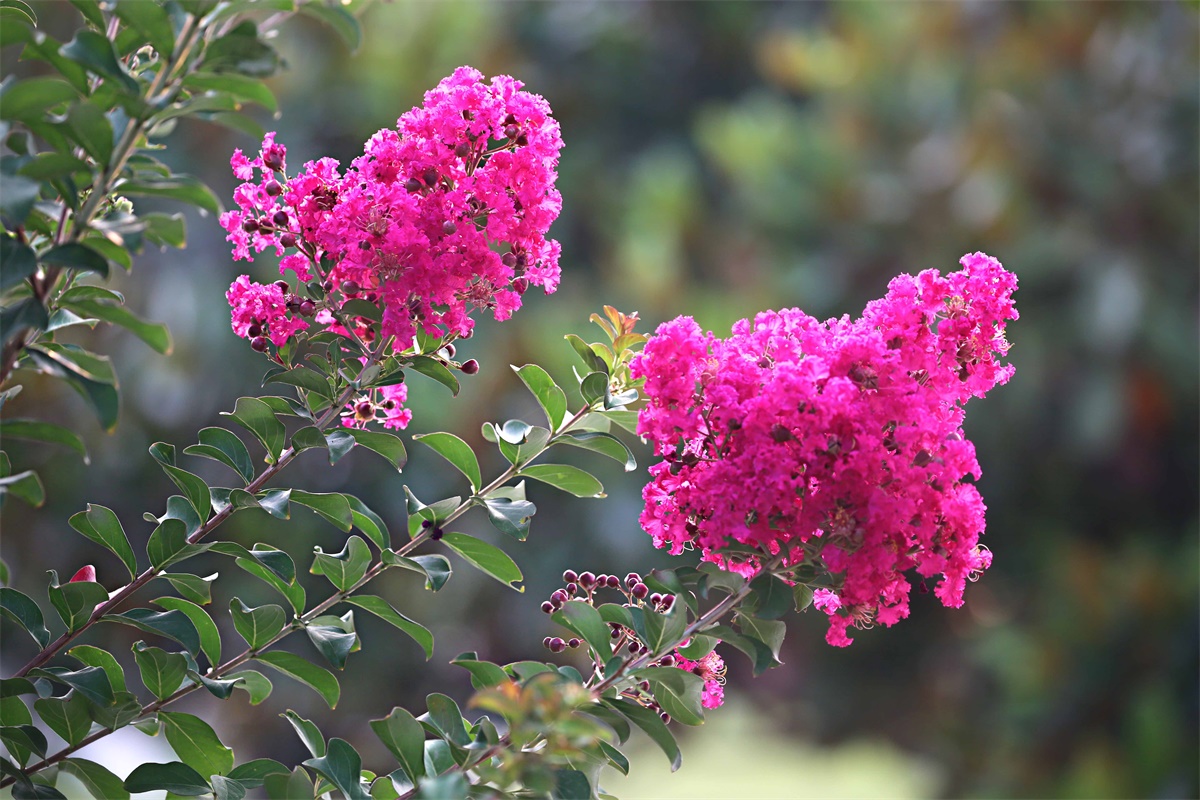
(307, 308)
(632, 578)
(573, 642)
(509, 260)
(84, 575)
(510, 119)
(288, 240)
(570, 576)
(254, 330)
(273, 188)
(558, 597)
(437, 533)
(510, 131)
(450, 350)
(273, 161)
(259, 343)
(280, 218)
(667, 661)
(587, 580)
(572, 588)
(412, 185)
(613, 582)
(522, 140)
(470, 367)
(640, 590)
(546, 642)
(282, 285)
(557, 645)
(519, 285)
(548, 607)
(430, 176)
(364, 408)
(350, 287)
(249, 225)
(462, 150)
(449, 227)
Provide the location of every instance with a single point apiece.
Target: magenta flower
(838, 444)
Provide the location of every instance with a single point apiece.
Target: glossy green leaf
(23, 742)
(346, 568)
(677, 691)
(320, 680)
(759, 653)
(303, 378)
(76, 256)
(593, 362)
(152, 22)
(31, 98)
(225, 789)
(549, 395)
(256, 416)
(22, 610)
(125, 709)
(698, 647)
(594, 387)
(28, 313)
(435, 369)
(435, 568)
(486, 557)
(603, 443)
(484, 674)
(342, 766)
(75, 602)
(571, 784)
(98, 780)
(196, 743)
(183, 188)
(172, 777)
(155, 334)
(773, 598)
(168, 543)
(25, 485)
(101, 525)
(258, 626)
(95, 52)
(19, 260)
(565, 477)
(586, 621)
(768, 632)
(332, 507)
(192, 587)
(405, 738)
(174, 625)
(385, 444)
(67, 716)
(308, 732)
(91, 682)
(241, 50)
(91, 656)
(253, 774)
(210, 637)
(162, 672)
(446, 717)
(87, 125)
(382, 609)
(276, 502)
(802, 596)
(652, 726)
(510, 516)
(36, 430)
(457, 452)
(255, 684)
(332, 643)
(194, 489)
(369, 522)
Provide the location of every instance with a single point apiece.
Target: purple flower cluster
(837, 443)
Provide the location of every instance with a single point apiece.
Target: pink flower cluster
(839, 444)
(446, 214)
(712, 669)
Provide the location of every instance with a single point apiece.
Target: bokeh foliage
(725, 157)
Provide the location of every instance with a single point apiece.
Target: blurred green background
(722, 158)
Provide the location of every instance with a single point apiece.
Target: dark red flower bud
(437, 534)
(519, 285)
(364, 408)
(511, 119)
(510, 131)
(273, 188)
(259, 343)
(632, 578)
(558, 597)
(522, 140)
(308, 308)
(640, 590)
(573, 642)
(350, 287)
(283, 286)
(280, 218)
(572, 588)
(548, 607)
(470, 367)
(273, 161)
(509, 260)
(667, 661)
(462, 150)
(412, 185)
(780, 434)
(557, 645)
(587, 580)
(449, 227)
(288, 240)
(570, 576)
(254, 330)
(430, 176)
(249, 225)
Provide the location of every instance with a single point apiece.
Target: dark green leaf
(183, 188)
(90, 129)
(457, 452)
(210, 637)
(193, 587)
(768, 632)
(101, 525)
(252, 773)
(382, 609)
(435, 568)
(484, 674)
(194, 488)
(369, 522)
(256, 416)
(303, 378)
(385, 444)
(75, 602)
(346, 568)
(773, 597)
(603, 443)
(91, 682)
(155, 334)
(18, 259)
(339, 442)
(23, 741)
(225, 789)
(91, 656)
(586, 621)
(446, 717)
(43, 432)
(76, 256)
(258, 626)
(565, 477)
(171, 624)
(758, 653)
(196, 743)
(486, 557)
(510, 516)
(26, 613)
(290, 787)
(276, 502)
(308, 732)
(25, 485)
(333, 507)
(342, 766)
(698, 647)
(594, 387)
(173, 777)
(257, 685)
(321, 680)
(28, 100)
(221, 689)
(593, 362)
(802, 596)
(615, 757)
(241, 50)
(333, 643)
(67, 716)
(162, 672)
(571, 784)
(99, 782)
(435, 369)
(405, 737)
(95, 52)
(652, 726)
(548, 394)
(152, 22)
(679, 693)
(28, 313)
(168, 543)
(125, 709)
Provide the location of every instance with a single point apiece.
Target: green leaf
(698, 647)
(252, 774)
(309, 734)
(264, 565)
(276, 502)
(225, 789)
(26, 613)
(369, 523)
(96, 779)
(43, 432)
(183, 188)
(25, 485)
(196, 743)
(457, 452)
(484, 674)
(593, 362)
(258, 626)
(338, 18)
(194, 489)
(802, 595)
(28, 100)
(488, 558)
(616, 758)
(210, 637)
(385, 444)
(155, 334)
(403, 735)
(101, 525)
(342, 766)
(320, 680)
(652, 725)
(125, 709)
(303, 378)
(88, 126)
(193, 587)
(173, 777)
(333, 643)
(241, 50)
(91, 682)
(435, 369)
(221, 689)
(165, 230)
(168, 543)
(91, 656)
(773, 597)
(152, 22)
(174, 625)
(289, 787)
(245, 89)
(586, 621)
(758, 653)
(382, 609)
(257, 685)
(23, 741)
(346, 568)
(679, 693)
(603, 443)
(549, 395)
(565, 477)
(435, 568)
(447, 718)
(256, 416)
(28, 313)
(67, 716)
(571, 784)
(76, 256)
(95, 52)
(162, 672)
(333, 507)
(594, 387)
(75, 602)
(19, 260)
(768, 632)
(510, 516)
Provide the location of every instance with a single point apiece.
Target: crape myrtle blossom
(446, 214)
(712, 669)
(837, 443)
